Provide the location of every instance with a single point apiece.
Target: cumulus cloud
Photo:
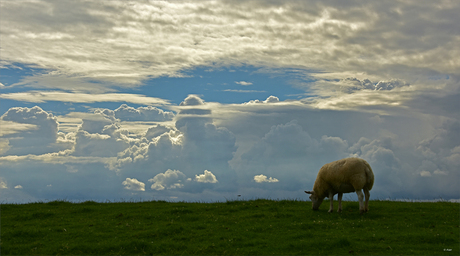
(440, 155)
(192, 145)
(37, 116)
(18, 187)
(133, 184)
(38, 136)
(156, 130)
(100, 138)
(206, 177)
(262, 178)
(127, 113)
(247, 148)
(244, 83)
(171, 179)
(192, 100)
(270, 99)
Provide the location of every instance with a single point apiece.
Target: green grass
(259, 227)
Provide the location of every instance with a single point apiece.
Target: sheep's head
(315, 200)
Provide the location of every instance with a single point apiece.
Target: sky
(205, 101)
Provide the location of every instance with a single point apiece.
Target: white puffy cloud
(262, 178)
(133, 184)
(192, 100)
(127, 113)
(194, 144)
(44, 121)
(37, 137)
(157, 130)
(171, 179)
(270, 99)
(247, 148)
(105, 142)
(18, 187)
(244, 83)
(206, 177)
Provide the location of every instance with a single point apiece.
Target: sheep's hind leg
(340, 202)
(331, 199)
(367, 194)
(360, 198)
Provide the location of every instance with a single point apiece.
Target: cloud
(171, 179)
(3, 183)
(206, 177)
(41, 97)
(351, 84)
(425, 174)
(101, 135)
(37, 131)
(390, 85)
(413, 156)
(10, 127)
(192, 145)
(355, 37)
(157, 130)
(244, 83)
(126, 113)
(133, 184)
(290, 154)
(102, 145)
(192, 100)
(440, 155)
(270, 99)
(4, 146)
(262, 178)
(18, 187)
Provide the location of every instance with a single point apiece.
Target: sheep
(343, 176)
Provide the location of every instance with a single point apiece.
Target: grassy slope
(240, 227)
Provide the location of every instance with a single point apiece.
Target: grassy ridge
(262, 227)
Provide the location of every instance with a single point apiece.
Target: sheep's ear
(309, 192)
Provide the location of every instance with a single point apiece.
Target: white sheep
(343, 176)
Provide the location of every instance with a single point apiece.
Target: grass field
(258, 227)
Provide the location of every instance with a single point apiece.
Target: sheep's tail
(369, 176)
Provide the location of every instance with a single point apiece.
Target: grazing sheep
(343, 176)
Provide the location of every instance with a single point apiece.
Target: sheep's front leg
(360, 198)
(331, 199)
(340, 202)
